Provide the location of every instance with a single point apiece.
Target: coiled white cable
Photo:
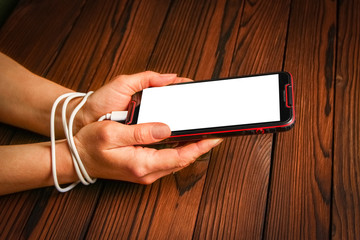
(79, 167)
(70, 138)
(68, 129)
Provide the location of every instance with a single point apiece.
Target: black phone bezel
(287, 115)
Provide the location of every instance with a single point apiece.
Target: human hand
(111, 150)
(116, 95)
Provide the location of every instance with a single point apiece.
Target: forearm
(28, 166)
(26, 99)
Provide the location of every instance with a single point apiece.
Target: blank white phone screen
(211, 104)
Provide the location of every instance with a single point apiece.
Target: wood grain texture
(197, 45)
(346, 189)
(300, 192)
(15, 211)
(6, 133)
(36, 31)
(233, 204)
(119, 41)
(161, 210)
(234, 199)
(63, 216)
(250, 187)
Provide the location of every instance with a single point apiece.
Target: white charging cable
(118, 116)
(68, 129)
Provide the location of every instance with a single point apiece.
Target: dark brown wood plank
(300, 193)
(346, 190)
(15, 210)
(36, 31)
(62, 216)
(84, 48)
(234, 199)
(120, 41)
(167, 209)
(200, 46)
(235, 192)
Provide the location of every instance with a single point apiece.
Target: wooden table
(301, 184)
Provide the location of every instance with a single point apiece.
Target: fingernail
(217, 141)
(160, 131)
(168, 75)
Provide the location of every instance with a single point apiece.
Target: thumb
(145, 133)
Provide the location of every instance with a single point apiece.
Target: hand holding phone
(109, 149)
(218, 108)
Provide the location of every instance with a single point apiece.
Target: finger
(152, 176)
(178, 158)
(148, 164)
(116, 134)
(139, 81)
(183, 79)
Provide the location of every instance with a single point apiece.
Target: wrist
(82, 117)
(64, 166)
(79, 121)
(86, 114)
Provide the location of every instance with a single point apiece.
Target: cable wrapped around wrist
(119, 116)
(68, 129)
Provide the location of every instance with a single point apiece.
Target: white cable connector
(68, 129)
(118, 116)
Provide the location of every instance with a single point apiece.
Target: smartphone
(218, 108)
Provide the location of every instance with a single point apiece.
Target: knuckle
(118, 79)
(105, 132)
(149, 72)
(138, 172)
(183, 163)
(184, 160)
(141, 166)
(147, 180)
